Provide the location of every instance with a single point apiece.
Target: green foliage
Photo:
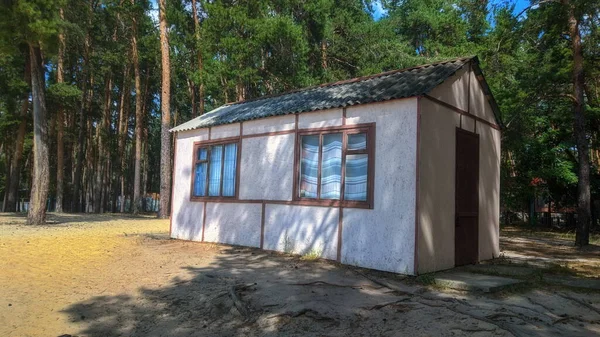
(250, 49)
(64, 95)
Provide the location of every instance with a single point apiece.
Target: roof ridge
(352, 80)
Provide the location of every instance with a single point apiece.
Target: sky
(379, 12)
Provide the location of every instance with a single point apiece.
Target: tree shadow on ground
(250, 292)
(66, 219)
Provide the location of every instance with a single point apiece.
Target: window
(335, 167)
(215, 170)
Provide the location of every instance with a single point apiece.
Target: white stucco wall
(233, 223)
(380, 238)
(186, 217)
(267, 167)
(320, 119)
(384, 238)
(225, 131)
(272, 124)
(302, 229)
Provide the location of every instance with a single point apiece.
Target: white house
(398, 171)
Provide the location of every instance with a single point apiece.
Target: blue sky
(378, 10)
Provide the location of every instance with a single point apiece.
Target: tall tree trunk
(12, 192)
(85, 103)
(138, 119)
(199, 56)
(123, 127)
(165, 106)
(41, 163)
(14, 171)
(90, 160)
(582, 235)
(102, 140)
(324, 55)
(192, 92)
(240, 91)
(60, 124)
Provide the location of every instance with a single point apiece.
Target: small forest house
(398, 171)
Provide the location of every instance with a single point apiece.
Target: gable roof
(385, 86)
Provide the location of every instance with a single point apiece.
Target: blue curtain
(357, 141)
(229, 170)
(355, 186)
(214, 175)
(200, 175)
(331, 166)
(309, 166)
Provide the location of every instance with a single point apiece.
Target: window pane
(200, 180)
(229, 170)
(355, 185)
(357, 141)
(214, 177)
(331, 166)
(309, 166)
(201, 154)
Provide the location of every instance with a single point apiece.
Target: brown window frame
(369, 129)
(208, 144)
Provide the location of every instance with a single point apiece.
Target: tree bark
(12, 193)
(60, 124)
(192, 92)
(138, 119)
(123, 127)
(165, 139)
(199, 56)
(324, 55)
(582, 235)
(102, 140)
(41, 164)
(85, 103)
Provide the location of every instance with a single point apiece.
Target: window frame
(208, 144)
(369, 130)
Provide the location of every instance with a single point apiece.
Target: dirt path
(120, 276)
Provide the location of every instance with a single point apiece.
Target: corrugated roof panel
(381, 87)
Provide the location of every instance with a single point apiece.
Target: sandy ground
(546, 248)
(105, 275)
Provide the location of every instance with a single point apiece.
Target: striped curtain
(355, 186)
(309, 166)
(331, 166)
(230, 162)
(214, 175)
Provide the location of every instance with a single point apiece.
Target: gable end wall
(438, 123)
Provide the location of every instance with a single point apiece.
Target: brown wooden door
(466, 234)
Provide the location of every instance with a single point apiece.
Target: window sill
(299, 202)
(214, 199)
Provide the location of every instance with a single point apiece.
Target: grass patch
(312, 255)
(425, 279)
